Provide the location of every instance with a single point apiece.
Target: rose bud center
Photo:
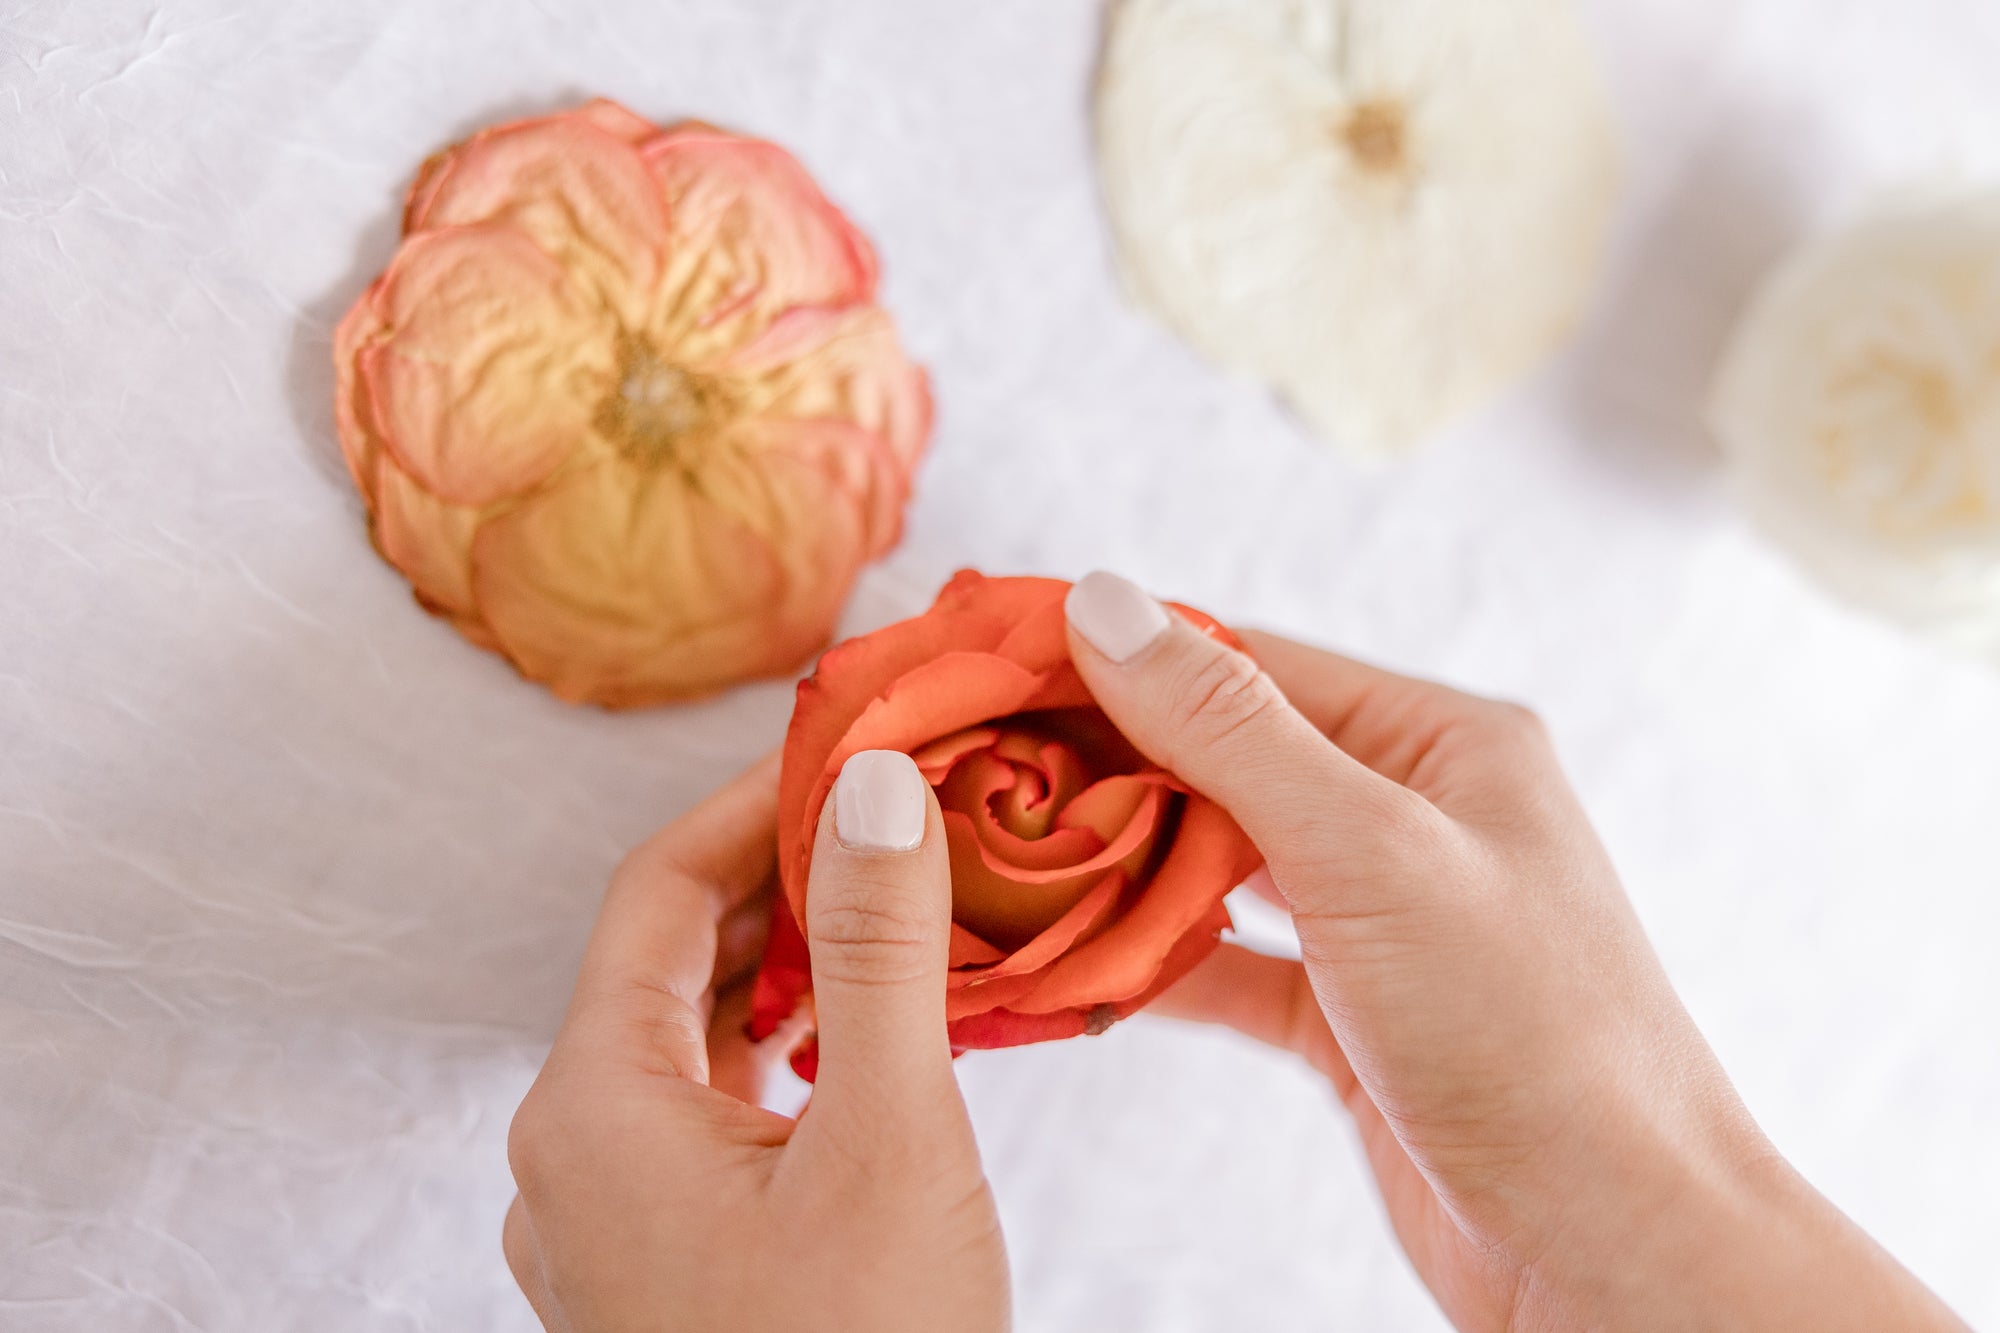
(1035, 822)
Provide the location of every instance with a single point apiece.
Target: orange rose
(1085, 880)
(623, 408)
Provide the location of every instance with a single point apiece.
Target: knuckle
(1519, 722)
(867, 935)
(1224, 698)
(528, 1139)
(671, 1029)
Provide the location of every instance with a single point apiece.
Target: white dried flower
(1387, 209)
(1858, 406)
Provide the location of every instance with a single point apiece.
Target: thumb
(1207, 713)
(878, 919)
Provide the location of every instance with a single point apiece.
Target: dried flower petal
(1385, 209)
(623, 408)
(1859, 408)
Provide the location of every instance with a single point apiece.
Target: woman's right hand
(1556, 1144)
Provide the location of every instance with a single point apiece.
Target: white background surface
(292, 881)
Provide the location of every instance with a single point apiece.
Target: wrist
(1725, 1236)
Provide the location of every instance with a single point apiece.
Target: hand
(1556, 1144)
(655, 1193)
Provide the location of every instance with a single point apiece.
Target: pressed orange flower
(623, 407)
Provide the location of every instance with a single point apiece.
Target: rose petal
(576, 185)
(936, 759)
(987, 898)
(972, 613)
(1040, 641)
(362, 326)
(1084, 917)
(1209, 856)
(1108, 806)
(843, 363)
(429, 541)
(968, 950)
(486, 375)
(628, 586)
(1001, 1027)
(950, 692)
(753, 237)
(783, 978)
(997, 1028)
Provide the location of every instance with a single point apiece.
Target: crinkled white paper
(293, 882)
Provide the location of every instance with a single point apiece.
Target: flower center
(661, 413)
(1376, 133)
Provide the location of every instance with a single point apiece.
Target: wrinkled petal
(574, 184)
(360, 327)
(429, 541)
(488, 366)
(627, 585)
(844, 364)
(752, 237)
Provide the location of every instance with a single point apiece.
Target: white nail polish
(1117, 617)
(879, 803)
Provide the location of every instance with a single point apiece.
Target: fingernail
(879, 803)
(1117, 617)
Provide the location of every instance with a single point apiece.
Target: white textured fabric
(292, 881)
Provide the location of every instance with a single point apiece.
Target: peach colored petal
(428, 540)
(1022, 862)
(626, 585)
(1209, 856)
(844, 363)
(574, 184)
(486, 377)
(752, 237)
(1108, 806)
(936, 759)
(362, 326)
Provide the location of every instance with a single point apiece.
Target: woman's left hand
(654, 1191)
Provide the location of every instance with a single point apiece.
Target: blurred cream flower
(1859, 408)
(1386, 209)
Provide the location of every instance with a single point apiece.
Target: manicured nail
(879, 803)
(1117, 617)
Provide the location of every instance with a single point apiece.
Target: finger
(739, 939)
(878, 923)
(741, 1067)
(1208, 713)
(642, 991)
(1267, 999)
(1389, 722)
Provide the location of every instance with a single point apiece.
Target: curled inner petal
(1031, 834)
